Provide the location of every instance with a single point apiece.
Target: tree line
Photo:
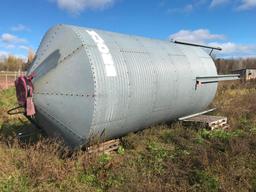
(224, 66)
(13, 63)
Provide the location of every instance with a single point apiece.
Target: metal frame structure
(198, 45)
(109, 84)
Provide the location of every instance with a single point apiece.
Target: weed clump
(204, 181)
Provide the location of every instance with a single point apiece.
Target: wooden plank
(206, 118)
(224, 127)
(212, 122)
(107, 146)
(218, 123)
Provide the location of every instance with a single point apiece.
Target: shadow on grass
(22, 131)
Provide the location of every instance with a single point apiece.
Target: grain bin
(86, 82)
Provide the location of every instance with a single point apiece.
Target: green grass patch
(7, 98)
(14, 183)
(204, 181)
(219, 134)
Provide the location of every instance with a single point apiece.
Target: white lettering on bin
(105, 54)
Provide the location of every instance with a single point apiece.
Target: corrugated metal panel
(111, 93)
(141, 94)
(196, 57)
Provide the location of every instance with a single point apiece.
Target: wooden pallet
(212, 122)
(105, 147)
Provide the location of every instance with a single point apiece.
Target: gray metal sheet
(131, 81)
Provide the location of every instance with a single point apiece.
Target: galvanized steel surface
(92, 82)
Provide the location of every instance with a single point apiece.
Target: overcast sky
(230, 24)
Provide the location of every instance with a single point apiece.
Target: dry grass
(162, 158)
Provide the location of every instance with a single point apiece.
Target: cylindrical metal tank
(91, 82)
